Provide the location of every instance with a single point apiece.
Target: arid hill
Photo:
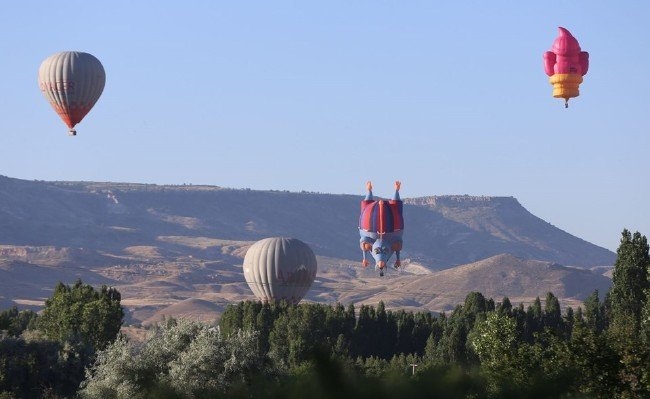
(521, 280)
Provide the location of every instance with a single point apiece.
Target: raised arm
(369, 193)
(398, 185)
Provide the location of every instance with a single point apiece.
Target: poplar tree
(630, 279)
(595, 313)
(553, 315)
(628, 297)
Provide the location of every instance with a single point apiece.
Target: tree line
(46, 355)
(482, 349)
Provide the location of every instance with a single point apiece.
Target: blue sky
(449, 97)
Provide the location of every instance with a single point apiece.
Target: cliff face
(441, 231)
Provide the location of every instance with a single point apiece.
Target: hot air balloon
(72, 82)
(279, 268)
(566, 64)
(381, 225)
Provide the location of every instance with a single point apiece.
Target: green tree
(32, 367)
(595, 313)
(630, 279)
(385, 332)
(645, 341)
(451, 348)
(551, 359)
(15, 321)
(339, 328)
(264, 323)
(432, 348)
(628, 297)
(475, 307)
(505, 306)
(375, 366)
(364, 332)
(494, 340)
(568, 320)
(595, 362)
(474, 310)
(298, 333)
(249, 318)
(81, 314)
(534, 321)
(278, 341)
(553, 315)
(405, 323)
(231, 318)
(425, 326)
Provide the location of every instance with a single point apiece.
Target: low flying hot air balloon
(279, 268)
(566, 64)
(381, 225)
(72, 82)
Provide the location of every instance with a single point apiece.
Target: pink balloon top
(566, 56)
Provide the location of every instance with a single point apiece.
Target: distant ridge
(441, 231)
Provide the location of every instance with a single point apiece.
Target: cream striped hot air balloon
(279, 268)
(72, 82)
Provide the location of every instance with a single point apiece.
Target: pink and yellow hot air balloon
(72, 82)
(566, 64)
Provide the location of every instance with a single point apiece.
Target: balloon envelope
(72, 82)
(280, 268)
(566, 64)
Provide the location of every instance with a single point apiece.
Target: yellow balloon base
(565, 85)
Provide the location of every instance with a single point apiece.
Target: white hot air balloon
(279, 268)
(72, 82)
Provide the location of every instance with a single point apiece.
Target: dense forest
(482, 349)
